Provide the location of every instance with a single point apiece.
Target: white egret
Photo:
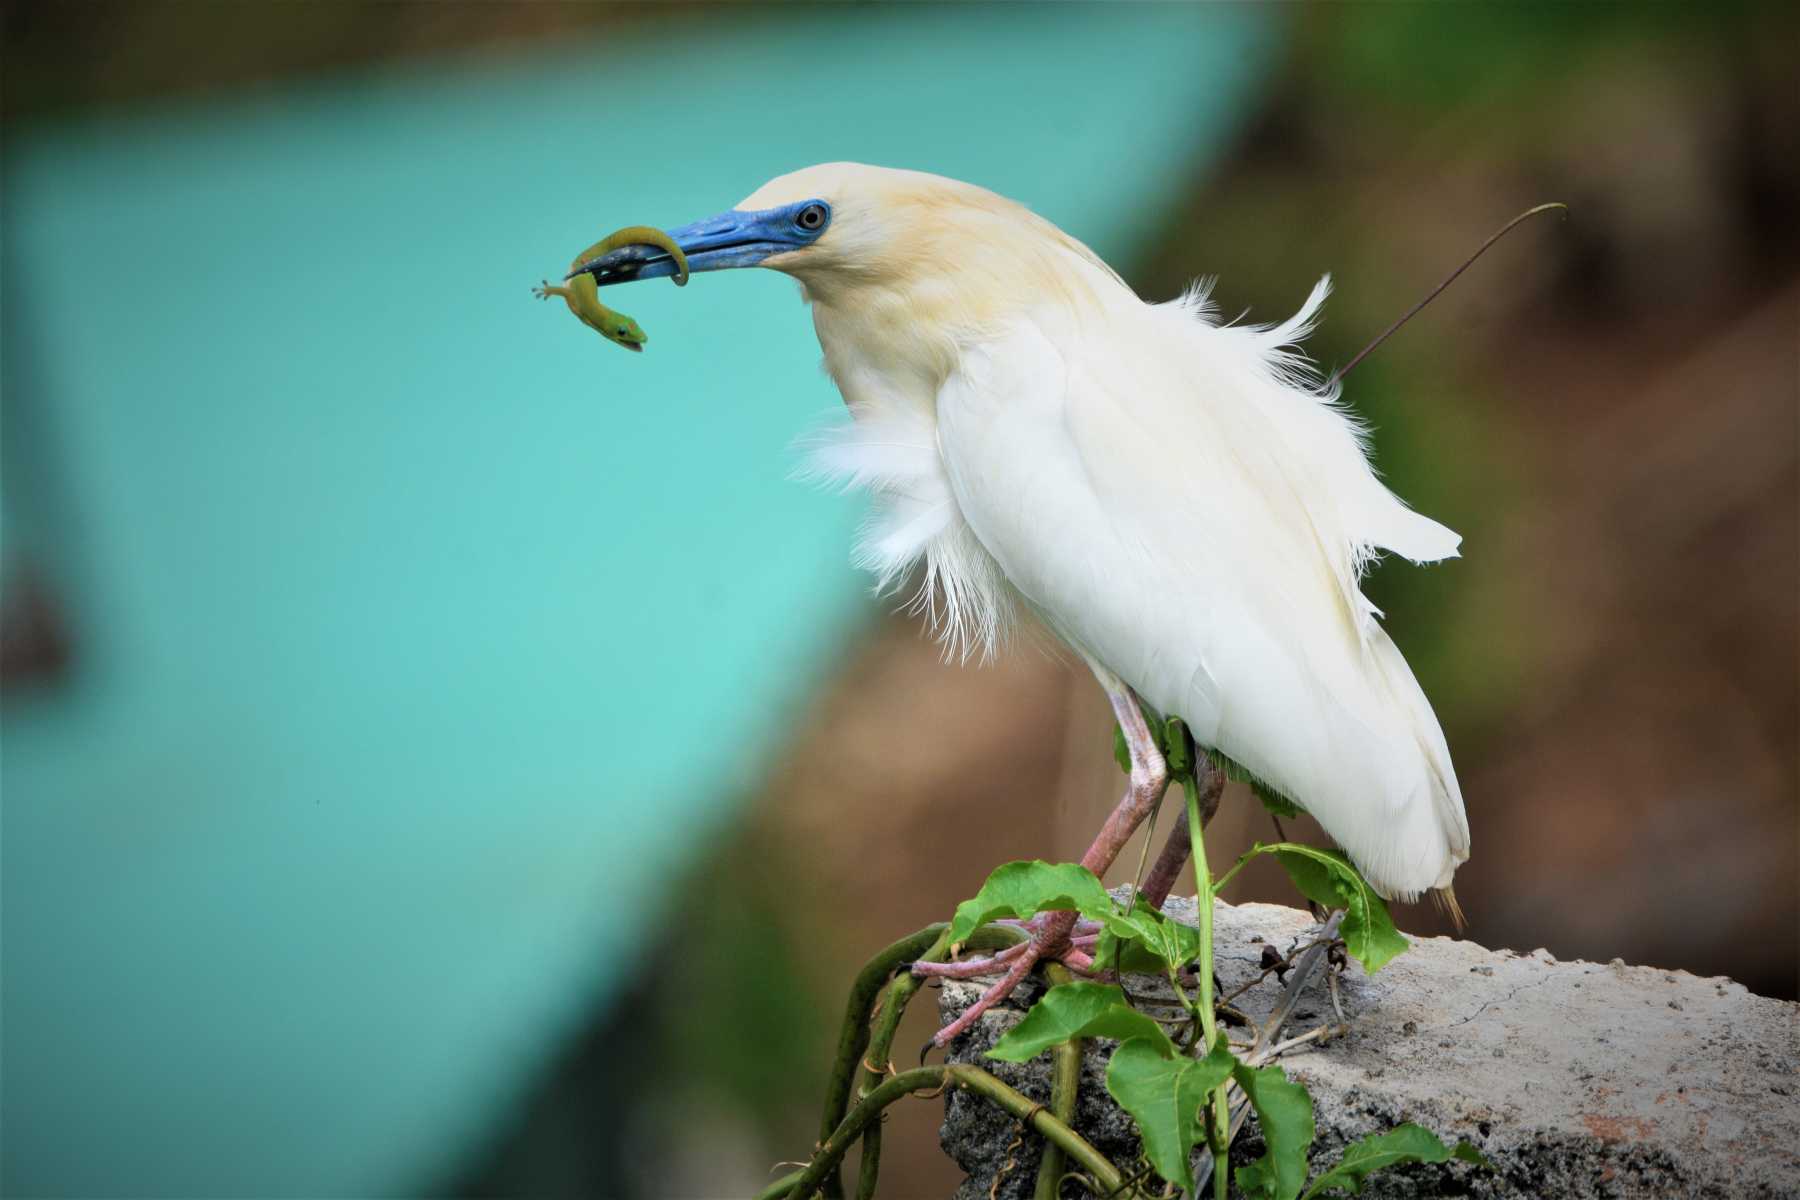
(1177, 498)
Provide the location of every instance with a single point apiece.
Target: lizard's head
(622, 330)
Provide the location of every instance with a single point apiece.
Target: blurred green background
(445, 755)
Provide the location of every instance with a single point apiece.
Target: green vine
(1194, 1091)
(859, 1046)
(1065, 1083)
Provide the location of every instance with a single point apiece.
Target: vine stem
(1065, 1081)
(1261, 1050)
(875, 1067)
(856, 1040)
(868, 1168)
(1232, 874)
(853, 1035)
(1219, 1124)
(1204, 910)
(964, 1078)
(781, 1187)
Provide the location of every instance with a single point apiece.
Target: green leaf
(1180, 752)
(1326, 877)
(1121, 751)
(1164, 1096)
(1313, 871)
(1273, 800)
(1170, 941)
(1077, 1010)
(1406, 1143)
(1020, 889)
(1127, 954)
(1285, 1114)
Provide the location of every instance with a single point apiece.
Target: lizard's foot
(543, 291)
(1050, 939)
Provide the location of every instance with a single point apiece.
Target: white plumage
(1176, 498)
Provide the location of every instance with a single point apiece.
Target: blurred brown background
(1605, 407)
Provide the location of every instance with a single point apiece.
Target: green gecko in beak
(583, 295)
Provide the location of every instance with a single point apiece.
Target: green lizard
(582, 294)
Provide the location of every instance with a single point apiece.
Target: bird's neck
(907, 331)
(886, 344)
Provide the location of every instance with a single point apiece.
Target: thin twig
(1283, 965)
(1415, 309)
(1093, 1189)
(1323, 1033)
(1012, 1160)
(1130, 1181)
(1302, 975)
(1137, 876)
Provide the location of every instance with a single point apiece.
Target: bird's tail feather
(1445, 900)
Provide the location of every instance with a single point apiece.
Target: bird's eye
(812, 217)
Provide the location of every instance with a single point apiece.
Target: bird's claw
(1049, 940)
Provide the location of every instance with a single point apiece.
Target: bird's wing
(1305, 437)
(1143, 492)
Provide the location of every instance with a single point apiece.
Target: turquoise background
(419, 632)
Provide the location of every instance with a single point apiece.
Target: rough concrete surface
(1577, 1079)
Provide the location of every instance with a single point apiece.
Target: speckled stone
(1577, 1079)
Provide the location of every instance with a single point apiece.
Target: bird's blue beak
(732, 239)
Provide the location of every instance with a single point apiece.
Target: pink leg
(1051, 930)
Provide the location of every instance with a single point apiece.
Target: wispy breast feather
(914, 520)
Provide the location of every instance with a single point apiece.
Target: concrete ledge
(1577, 1079)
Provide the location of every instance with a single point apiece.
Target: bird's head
(786, 224)
(848, 227)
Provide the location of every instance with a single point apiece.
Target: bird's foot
(1054, 935)
(1082, 928)
(1082, 937)
(1082, 944)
